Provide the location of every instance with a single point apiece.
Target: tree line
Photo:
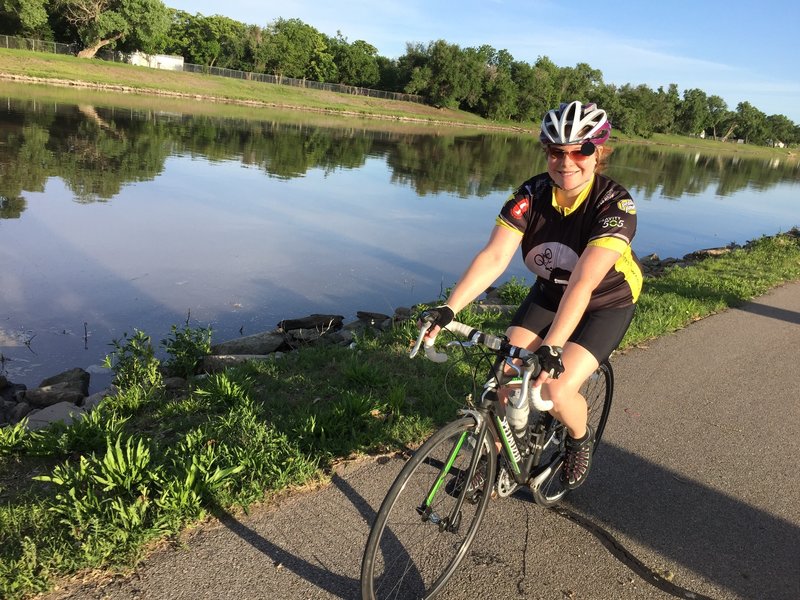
(482, 80)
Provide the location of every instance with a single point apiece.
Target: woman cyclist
(575, 228)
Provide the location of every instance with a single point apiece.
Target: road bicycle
(429, 517)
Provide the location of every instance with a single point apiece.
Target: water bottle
(516, 410)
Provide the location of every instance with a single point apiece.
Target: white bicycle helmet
(573, 123)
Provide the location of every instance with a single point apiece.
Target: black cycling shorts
(599, 331)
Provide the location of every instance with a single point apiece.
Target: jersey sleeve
(515, 213)
(615, 225)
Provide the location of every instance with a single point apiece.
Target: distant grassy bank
(207, 93)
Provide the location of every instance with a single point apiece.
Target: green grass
(682, 295)
(206, 88)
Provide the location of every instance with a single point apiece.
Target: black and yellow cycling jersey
(554, 237)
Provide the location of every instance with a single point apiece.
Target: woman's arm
(486, 267)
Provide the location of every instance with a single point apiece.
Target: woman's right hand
(439, 317)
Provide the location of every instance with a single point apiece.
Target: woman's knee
(561, 391)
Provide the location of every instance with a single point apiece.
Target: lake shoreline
(451, 121)
(265, 344)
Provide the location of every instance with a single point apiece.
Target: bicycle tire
(598, 390)
(409, 555)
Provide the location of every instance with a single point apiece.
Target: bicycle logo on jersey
(544, 259)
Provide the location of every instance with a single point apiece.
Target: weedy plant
(105, 502)
(186, 347)
(133, 362)
(513, 291)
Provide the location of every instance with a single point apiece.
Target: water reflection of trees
(96, 151)
(675, 173)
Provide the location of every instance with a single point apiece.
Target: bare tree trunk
(92, 50)
(727, 135)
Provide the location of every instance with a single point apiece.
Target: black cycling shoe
(577, 460)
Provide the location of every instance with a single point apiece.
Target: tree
(390, 76)
(751, 123)
(527, 104)
(780, 129)
(213, 41)
(139, 24)
(447, 75)
(498, 90)
(638, 110)
(294, 49)
(23, 17)
(579, 82)
(356, 63)
(665, 109)
(693, 113)
(717, 111)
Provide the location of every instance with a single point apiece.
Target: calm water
(114, 217)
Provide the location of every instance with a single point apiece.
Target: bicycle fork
(452, 521)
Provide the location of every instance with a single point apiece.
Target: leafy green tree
(693, 112)
(23, 17)
(212, 41)
(495, 94)
(606, 96)
(448, 75)
(637, 107)
(527, 99)
(751, 123)
(254, 59)
(356, 63)
(548, 82)
(780, 129)
(579, 82)
(390, 75)
(664, 111)
(717, 111)
(130, 24)
(295, 49)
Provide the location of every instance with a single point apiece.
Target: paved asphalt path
(694, 490)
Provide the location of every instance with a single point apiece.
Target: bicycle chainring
(505, 484)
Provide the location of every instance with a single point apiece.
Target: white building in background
(156, 61)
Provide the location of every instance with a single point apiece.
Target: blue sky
(737, 49)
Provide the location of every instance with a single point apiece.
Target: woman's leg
(569, 406)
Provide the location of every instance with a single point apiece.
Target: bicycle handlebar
(530, 362)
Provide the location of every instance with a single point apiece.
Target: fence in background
(17, 43)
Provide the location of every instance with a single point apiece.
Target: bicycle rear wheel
(418, 538)
(598, 391)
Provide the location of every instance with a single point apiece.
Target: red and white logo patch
(520, 208)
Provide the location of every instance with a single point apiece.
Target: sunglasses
(584, 152)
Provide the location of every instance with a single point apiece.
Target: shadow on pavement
(728, 542)
(772, 312)
(656, 516)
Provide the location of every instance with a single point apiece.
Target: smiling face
(569, 169)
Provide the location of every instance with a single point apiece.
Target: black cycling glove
(550, 360)
(441, 316)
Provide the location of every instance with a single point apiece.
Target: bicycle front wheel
(598, 391)
(421, 534)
